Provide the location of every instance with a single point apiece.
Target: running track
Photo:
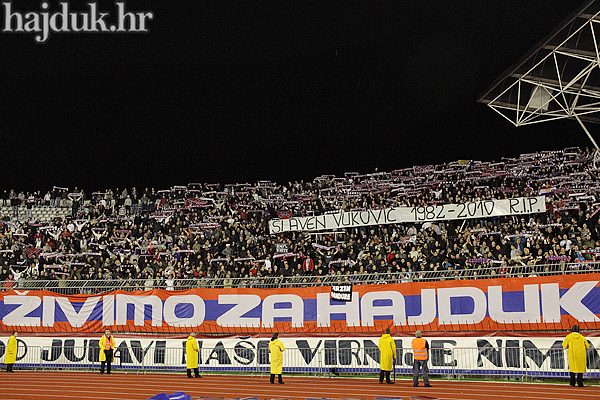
(120, 386)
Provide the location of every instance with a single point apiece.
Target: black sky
(238, 91)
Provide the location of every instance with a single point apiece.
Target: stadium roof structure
(558, 78)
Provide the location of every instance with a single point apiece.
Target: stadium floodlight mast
(559, 78)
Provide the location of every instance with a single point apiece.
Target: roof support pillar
(586, 131)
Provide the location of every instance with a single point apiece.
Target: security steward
(107, 351)
(387, 348)
(191, 354)
(11, 352)
(420, 357)
(577, 347)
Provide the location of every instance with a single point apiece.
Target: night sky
(240, 91)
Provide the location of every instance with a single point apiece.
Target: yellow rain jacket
(11, 351)
(103, 342)
(276, 348)
(577, 346)
(191, 352)
(387, 347)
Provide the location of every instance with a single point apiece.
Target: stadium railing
(99, 286)
(453, 363)
(28, 357)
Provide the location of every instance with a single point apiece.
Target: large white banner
(489, 355)
(420, 214)
(531, 303)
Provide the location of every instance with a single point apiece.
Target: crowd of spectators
(219, 233)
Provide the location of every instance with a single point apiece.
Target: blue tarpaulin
(174, 396)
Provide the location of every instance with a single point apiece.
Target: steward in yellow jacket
(191, 355)
(11, 352)
(276, 348)
(107, 351)
(387, 349)
(576, 346)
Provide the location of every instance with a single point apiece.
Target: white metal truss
(558, 79)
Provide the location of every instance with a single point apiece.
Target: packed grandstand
(214, 235)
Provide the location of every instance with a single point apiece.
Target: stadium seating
(218, 233)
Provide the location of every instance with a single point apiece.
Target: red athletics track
(120, 386)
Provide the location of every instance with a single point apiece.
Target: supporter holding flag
(9, 282)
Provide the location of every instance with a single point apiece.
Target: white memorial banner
(419, 214)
